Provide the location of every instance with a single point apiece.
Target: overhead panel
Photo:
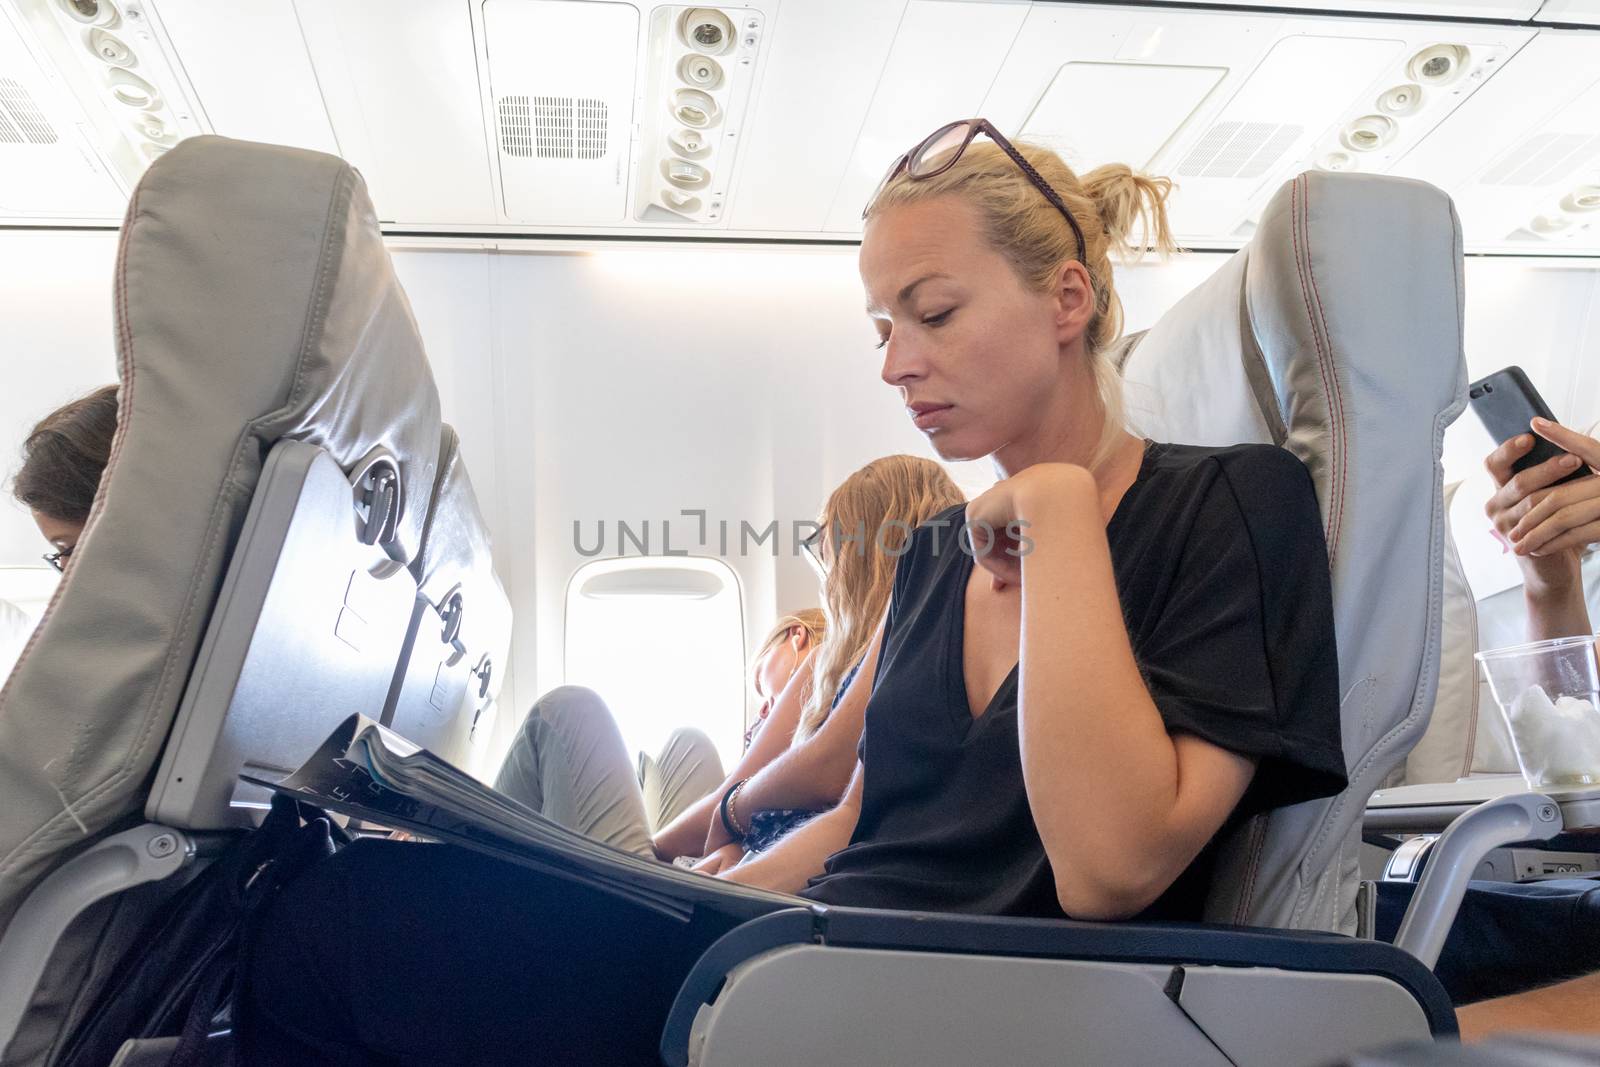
(1139, 107)
(47, 169)
(1570, 12)
(823, 62)
(250, 71)
(1534, 185)
(400, 81)
(943, 61)
(1230, 104)
(702, 67)
(1512, 10)
(561, 89)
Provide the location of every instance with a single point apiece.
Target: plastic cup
(1549, 695)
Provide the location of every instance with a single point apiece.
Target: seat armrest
(1503, 821)
(1173, 944)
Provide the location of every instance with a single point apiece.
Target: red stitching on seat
(1316, 339)
(1342, 466)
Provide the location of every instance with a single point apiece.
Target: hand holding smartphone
(1507, 403)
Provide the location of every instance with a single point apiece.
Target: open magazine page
(365, 771)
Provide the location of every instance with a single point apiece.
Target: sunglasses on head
(938, 152)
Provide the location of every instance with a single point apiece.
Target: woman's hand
(723, 859)
(1546, 525)
(717, 837)
(998, 520)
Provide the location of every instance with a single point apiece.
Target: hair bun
(1125, 198)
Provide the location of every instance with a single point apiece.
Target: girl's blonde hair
(811, 620)
(867, 522)
(1108, 203)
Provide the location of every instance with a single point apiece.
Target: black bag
(179, 977)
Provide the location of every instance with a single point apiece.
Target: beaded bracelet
(730, 817)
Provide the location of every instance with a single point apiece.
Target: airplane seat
(444, 693)
(242, 583)
(1312, 339)
(1357, 368)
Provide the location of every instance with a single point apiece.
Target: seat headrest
(1336, 333)
(254, 301)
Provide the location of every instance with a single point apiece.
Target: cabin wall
(635, 384)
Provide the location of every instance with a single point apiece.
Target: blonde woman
(864, 528)
(570, 763)
(1141, 653)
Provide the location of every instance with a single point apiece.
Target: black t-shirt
(1222, 571)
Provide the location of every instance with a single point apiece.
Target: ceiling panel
(278, 100)
(943, 61)
(1525, 148)
(400, 82)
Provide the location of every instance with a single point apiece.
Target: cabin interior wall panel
(625, 384)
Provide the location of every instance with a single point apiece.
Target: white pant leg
(570, 764)
(687, 769)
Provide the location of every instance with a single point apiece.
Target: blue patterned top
(768, 825)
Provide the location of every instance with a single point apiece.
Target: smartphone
(1507, 402)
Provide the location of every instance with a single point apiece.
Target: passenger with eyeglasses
(63, 457)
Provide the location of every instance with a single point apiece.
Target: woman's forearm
(799, 857)
(1121, 806)
(686, 835)
(813, 775)
(1557, 612)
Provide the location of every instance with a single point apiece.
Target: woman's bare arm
(787, 866)
(686, 835)
(814, 774)
(1122, 807)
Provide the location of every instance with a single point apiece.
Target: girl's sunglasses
(939, 151)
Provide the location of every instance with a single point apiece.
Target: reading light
(111, 49)
(1369, 133)
(1438, 64)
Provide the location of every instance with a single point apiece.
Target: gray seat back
(1336, 333)
(255, 303)
(443, 695)
(309, 626)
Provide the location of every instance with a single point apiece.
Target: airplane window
(661, 639)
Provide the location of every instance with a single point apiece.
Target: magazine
(368, 772)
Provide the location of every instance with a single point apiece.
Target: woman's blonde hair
(867, 522)
(811, 620)
(1108, 203)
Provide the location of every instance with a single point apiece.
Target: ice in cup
(1549, 694)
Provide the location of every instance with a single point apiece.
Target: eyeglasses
(813, 549)
(58, 560)
(939, 151)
